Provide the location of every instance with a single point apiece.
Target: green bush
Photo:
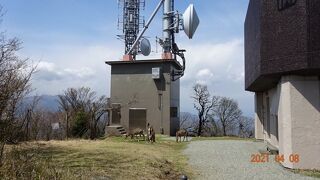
(80, 125)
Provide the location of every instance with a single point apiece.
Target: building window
(160, 101)
(173, 112)
(284, 4)
(277, 127)
(268, 116)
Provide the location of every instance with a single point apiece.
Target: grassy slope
(115, 158)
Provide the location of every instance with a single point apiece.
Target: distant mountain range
(47, 102)
(50, 102)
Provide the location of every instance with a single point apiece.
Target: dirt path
(230, 159)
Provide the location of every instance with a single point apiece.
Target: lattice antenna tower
(130, 22)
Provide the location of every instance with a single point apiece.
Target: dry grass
(111, 158)
(312, 172)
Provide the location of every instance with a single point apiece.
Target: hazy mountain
(48, 102)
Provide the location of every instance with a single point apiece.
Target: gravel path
(230, 159)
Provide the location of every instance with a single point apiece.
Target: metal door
(137, 118)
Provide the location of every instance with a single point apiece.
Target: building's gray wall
(258, 102)
(296, 103)
(314, 35)
(274, 98)
(175, 102)
(133, 87)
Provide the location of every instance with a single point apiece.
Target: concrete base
(288, 117)
(115, 130)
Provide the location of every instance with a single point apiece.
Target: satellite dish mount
(173, 22)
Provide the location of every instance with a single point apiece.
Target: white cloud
(49, 71)
(215, 56)
(73, 66)
(204, 73)
(48, 66)
(83, 72)
(221, 67)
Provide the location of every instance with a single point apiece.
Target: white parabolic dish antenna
(145, 47)
(190, 21)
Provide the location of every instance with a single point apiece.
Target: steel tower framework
(130, 22)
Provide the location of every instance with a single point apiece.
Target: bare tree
(47, 130)
(246, 127)
(189, 122)
(84, 109)
(98, 109)
(29, 115)
(15, 74)
(66, 109)
(74, 101)
(185, 121)
(228, 113)
(204, 104)
(213, 129)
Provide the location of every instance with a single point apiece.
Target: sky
(71, 39)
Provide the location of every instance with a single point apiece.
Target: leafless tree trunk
(31, 118)
(66, 108)
(99, 108)
(67, 125)
(204, 104)
(1, 152)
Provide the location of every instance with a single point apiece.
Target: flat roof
(173, 61)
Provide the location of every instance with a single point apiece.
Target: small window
(173, 112)
(284, 4)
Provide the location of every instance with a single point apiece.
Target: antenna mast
(130, 23)
(168, 14)
(172, 21)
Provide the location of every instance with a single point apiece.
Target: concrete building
(282, 67)
(142, 92)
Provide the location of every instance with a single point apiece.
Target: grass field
(110, 158)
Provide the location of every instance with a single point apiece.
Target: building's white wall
(284, 118)
(305, 105)
(296, 102)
